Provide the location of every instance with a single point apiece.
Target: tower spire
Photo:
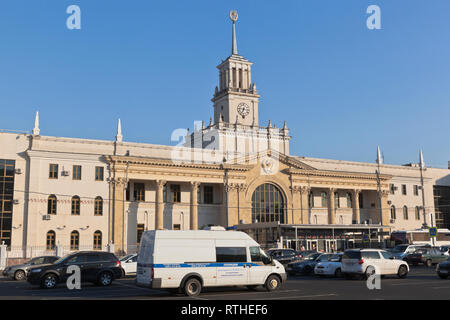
(379, 158)
(234, 17)
(36, 124)
(119, 136)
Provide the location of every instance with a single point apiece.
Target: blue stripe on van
(196, 265)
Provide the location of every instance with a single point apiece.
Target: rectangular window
(324, 197)
(76, 172)
(231, 254)
(175, 190)
(392, 188)
(139, 231)
(99, 173)
(208, 194)
(139, 192)
(416, 190)
(53, 171)
(176, 226)
(404, 189)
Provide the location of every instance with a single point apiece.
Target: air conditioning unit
(65, 173)
(15, 201)
(46, 217)
(18, 171)
(392, 221)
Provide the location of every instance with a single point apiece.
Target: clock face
(243, 109)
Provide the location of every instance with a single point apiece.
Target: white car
(129, 264)
(363, 261)
(332, 267)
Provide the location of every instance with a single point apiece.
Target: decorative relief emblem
(267, 165)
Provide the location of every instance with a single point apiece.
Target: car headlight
(36, 270)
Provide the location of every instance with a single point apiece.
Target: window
(370, 255)
(417, 213)
(416, 190)
(208, 194)
(76, 205)
(175, 192)
(386, 255)
(99, 173)
(393, 213)
(74, 240)
(97, 240)
(139, 192)
(405, 212)
(324, 197)
(231, 254)
(258, 255)
(6, 199)
(349, 200)
(404, 189)
(361, 200)
(337, 201)
(51, 204)
(51, 240)
(268, 204)
(392, 188)
(53, 171)
(98, 206)
(76, 173)
(139, 232)
(176, 226)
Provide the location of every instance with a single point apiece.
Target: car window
(76, 259)
(352, 255)
(371, 255)
(336, 257)
(50, 259)
(323, 258)
(288, 253)
(134, 259)
(38, 261)
(386, 255)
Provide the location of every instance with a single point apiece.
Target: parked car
(97, 267)
(19, 271)
(402, 250)
(362, 261)
(332, 267)
(427, 256)
(284, 256)
(129, 264)
(306, 253)
(306, 266)
(443, 269)
(445, 250)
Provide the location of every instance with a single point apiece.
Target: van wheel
(192, 287)
(402, 272)
(272, 283)
(429, 263)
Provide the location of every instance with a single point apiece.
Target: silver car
(19, 271)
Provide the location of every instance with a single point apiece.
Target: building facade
(85, 194)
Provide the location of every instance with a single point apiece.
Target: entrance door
(311, 244)
(331, 246)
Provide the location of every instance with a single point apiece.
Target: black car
(306, 266)
(284, 256)
(443, 269)
(19, 271)
(97, 267)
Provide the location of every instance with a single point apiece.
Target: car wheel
(19, 275)
(338, 273)
(105, 279)
(272, 283)
(402, 272)
(49, 281)
(192, 287)
(429, 263)
(442, 276)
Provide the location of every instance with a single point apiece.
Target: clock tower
(235, 98)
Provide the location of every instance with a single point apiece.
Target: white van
(187, 261)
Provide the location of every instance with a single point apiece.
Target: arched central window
(268, 204)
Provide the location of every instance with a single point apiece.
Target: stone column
(159, 217)
(385, 210)
(331, 209)
(355, 205)
(118, 213)
(193, 220)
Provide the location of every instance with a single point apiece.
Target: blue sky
(342, 88)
